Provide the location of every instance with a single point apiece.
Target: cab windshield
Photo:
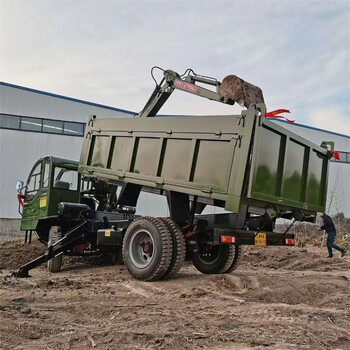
(65, 179)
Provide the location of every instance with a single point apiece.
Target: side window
(33, 184)
(46, 174)
(65, 179)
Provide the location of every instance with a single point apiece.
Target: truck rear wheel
(213, 259)
(147, 249)
(55, 234)
(179, 247)
(236, 259)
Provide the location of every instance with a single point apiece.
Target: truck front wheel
(55, 234)
(147, 249)
(214, 259)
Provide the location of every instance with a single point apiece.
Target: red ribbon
(274, 114)
(335, 155)
(19, 199)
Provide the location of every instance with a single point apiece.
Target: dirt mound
(279, 298)
(15, 253)
(292, 258)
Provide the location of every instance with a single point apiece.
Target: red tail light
(227, 239)
(289, 241)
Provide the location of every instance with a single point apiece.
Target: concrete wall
(9, 229)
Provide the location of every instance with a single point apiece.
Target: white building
(35, 123)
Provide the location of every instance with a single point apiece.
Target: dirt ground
(279, 298)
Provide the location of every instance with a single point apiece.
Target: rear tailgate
(287, 170)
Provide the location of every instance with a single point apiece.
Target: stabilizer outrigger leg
(66, 242)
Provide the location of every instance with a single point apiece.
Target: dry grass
(307, 234)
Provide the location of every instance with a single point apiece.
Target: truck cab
(52, 180)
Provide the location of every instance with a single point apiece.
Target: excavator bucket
(240, 91)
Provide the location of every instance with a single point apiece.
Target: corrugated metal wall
(26, 102)
(18, 152)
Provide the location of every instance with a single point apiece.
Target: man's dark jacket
(327, 223)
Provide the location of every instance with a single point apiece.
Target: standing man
(328, 225)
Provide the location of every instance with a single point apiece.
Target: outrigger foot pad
(20, 274)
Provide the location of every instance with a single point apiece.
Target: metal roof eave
(66, 98)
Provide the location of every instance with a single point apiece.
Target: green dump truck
(254, 169)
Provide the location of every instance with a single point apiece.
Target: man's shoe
(343, 253)
(330, 256)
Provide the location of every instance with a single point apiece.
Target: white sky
(297, 51)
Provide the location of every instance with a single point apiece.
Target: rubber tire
(236, 259)
(162, 250)
(220, 265)
(55, 234)
(179, 248)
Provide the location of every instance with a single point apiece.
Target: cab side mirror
(19, 185)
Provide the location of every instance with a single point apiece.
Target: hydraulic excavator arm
(231, 90)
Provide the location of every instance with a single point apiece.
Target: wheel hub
(147, 248)
(141, 248)
(208, 253)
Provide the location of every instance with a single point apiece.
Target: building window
(9, 121)
(48, 126)
(31, 124)
(52, 126)
(344, 157)
(73, 128)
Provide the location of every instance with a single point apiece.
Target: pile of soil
(279, 298)
(15, 253)
(292, 258)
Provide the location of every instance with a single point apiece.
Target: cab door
(64, 187)
(31, 206)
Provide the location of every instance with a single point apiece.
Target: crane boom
(231, 90)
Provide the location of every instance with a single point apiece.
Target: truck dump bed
(238, 159)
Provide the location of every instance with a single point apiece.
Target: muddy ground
(279, 298)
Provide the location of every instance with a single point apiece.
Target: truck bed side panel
(236, 159)
(287, 169)
(194, 155)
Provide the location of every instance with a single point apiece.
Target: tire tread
(166, 251)
(179, 248)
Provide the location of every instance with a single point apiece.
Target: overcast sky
(297, 51)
